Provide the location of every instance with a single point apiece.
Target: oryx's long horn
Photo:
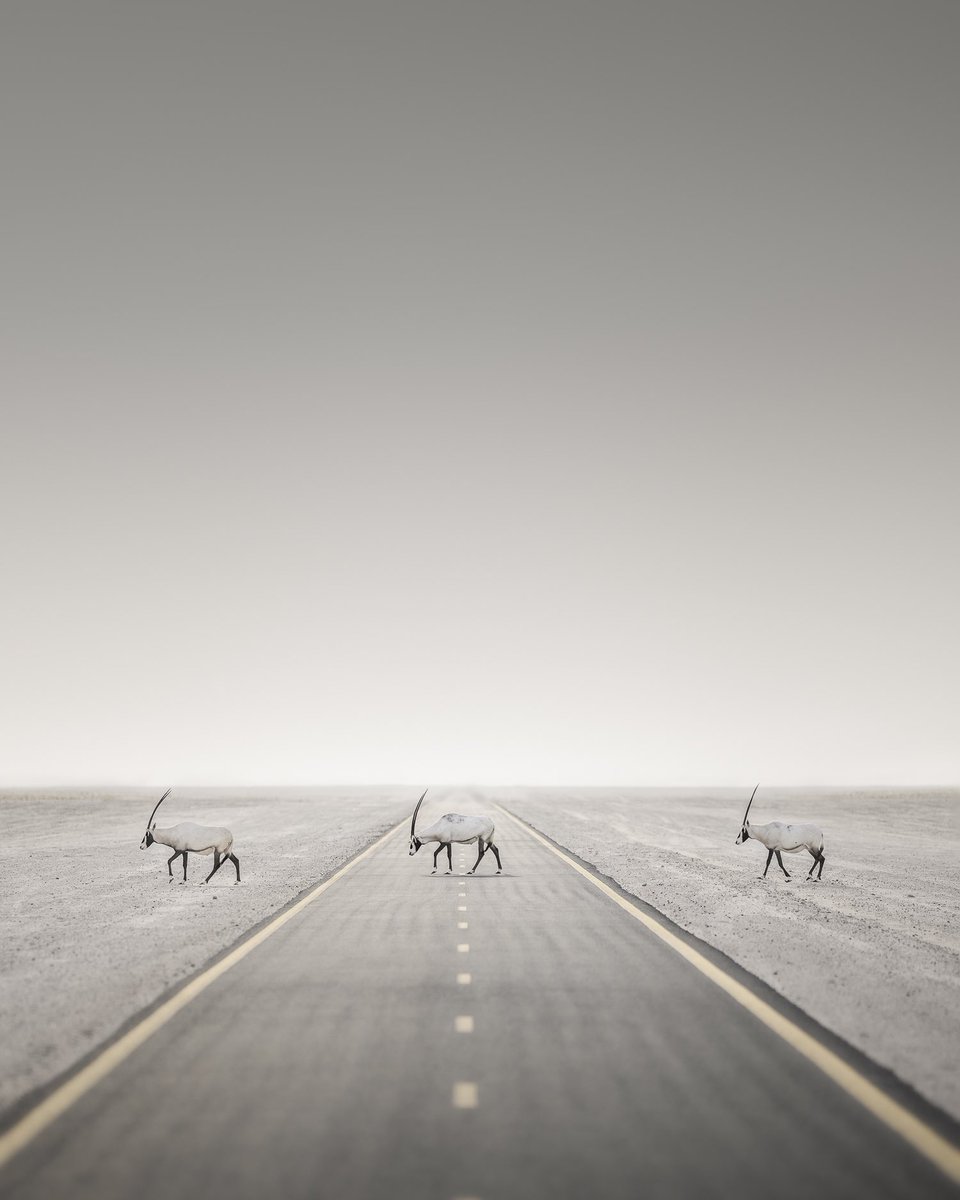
(413, 823)
(744, 821)
(157, 805)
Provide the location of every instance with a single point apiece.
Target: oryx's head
(148, 838)
(415, 842)
(744, 831)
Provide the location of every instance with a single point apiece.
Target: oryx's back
(459, 828)
(203, 839)
(796, 837)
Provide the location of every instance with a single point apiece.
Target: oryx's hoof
(499, 872)
(471, 872)
(202, 882)
(448, 872)
(434, 871)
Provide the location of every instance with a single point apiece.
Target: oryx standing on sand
(452, 827)
(196, 839)
(787, 839)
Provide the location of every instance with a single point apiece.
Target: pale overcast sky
(500, 392)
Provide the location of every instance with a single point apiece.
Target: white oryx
(452, 827)
(195, 839)
(787, 839)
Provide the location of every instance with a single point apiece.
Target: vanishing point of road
(433, 1037)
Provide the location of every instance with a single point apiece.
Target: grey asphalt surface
(324, 1064)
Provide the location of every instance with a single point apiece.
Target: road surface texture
(491, 1037)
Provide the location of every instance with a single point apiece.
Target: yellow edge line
(935, 1148)
(67, 1094)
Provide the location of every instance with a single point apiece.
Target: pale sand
(872, 952)
(92, 931)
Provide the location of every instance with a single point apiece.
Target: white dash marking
(461, 908)
(464, 977)
(465, 1095)
(463, 948)
(463, 1024)
(461, 925)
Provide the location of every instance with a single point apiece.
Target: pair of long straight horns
(413, 823)
(157, 805)
(744, 821)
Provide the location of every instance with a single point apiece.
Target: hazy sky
(494, 391)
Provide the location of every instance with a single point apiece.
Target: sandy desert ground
(872, 952)
(91, 929)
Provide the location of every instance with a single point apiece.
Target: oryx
(788, 839)
(452, 827)
(195, 839)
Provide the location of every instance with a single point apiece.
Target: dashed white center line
(463, 948)
(463, 1024)
(461, 925)
(464, 977)
(465, 1095)
(461, 908)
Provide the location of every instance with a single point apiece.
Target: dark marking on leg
(449, 858)
(184, 866)
(496, 855)
(767, 867)
(236, 862)
(482, 848)
(176, 854)
(435, 853)
(217, 864)
(782, 867)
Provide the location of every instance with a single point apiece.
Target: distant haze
(509, 391)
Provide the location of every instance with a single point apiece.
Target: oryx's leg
(184, 866)
(496, 855)
(822, 861)
(217, 864)
(449, 858)
(767, 867)
(175, 854)
(236, 862)
(435, 853)
(483, 851)
(813, 865)
(782, 867)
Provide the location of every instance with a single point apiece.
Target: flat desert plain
(92, 930)
(872, 952)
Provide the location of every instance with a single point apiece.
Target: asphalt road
(348, 1056)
